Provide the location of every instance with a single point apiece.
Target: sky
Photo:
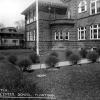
(10, 11)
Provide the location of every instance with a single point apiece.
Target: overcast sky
(10, 10)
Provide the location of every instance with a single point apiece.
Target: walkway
(64, 63)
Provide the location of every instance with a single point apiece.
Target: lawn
(20, 53)
(70, 82)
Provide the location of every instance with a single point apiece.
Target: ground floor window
(61, 35)
(56, 36)
(31, 36)
(95, 31)
(81, 33)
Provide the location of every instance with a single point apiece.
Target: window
(67, 36)
(27, 19)
(95, 31)
(56, 36)
(60, 36)
(94, 7)
(82, 6)
(31, 17)
(34, 15)
(31, 36)
(28, 36)
(81, 33)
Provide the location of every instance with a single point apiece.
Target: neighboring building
(10, 38)
(70, 23)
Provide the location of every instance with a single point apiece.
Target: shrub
(10, 76)
(1, 57)
(68, 53)
(83, 53)
(92, 56)
(12, 59)
(24, 64)
(54, 54)
(34, 58)
(98, 51)
(51, 61)
(74, 58)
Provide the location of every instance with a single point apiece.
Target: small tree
(68, 53)
(92, 56)
(54, 54)
(24, 64)
(98, 51)
(12, 59)
(74, 58)
(51, 61)
(2, 57)
(34, 58)
(83, 53)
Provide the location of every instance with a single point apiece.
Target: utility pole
(37, 28)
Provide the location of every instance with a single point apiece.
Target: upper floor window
(95, 31)
(81, 33)
(27, 19)
(82, 6)
(31, 17)
(94, 7)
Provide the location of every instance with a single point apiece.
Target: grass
(20, 53)
(70, 82)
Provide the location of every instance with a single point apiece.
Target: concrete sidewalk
(64, 63)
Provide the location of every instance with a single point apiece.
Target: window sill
(82, 12)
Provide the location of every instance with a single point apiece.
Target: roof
(58, 3)
(8, 30)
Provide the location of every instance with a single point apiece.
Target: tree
(20, 24)
(1, 25)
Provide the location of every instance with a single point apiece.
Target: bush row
(24, 63)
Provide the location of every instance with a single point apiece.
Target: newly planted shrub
(54, 54)
(34, 58)
(98, 51)
(12, 59)
(2, 57)
(68, 53)
(24, 64)
(74, 58)
(83, 53)
(92, 56)
(51, 61)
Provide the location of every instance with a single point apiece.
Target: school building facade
(63, 23)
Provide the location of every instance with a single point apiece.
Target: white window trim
(80, 6)
(92, 28)
(56, 36)
(68, 36)
(95, 6)
(60, 35)
(79, 30)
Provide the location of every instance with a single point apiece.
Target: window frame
(56, 34)
(94, 1)
(31, 36)
(81, 5)
(92, 34)
(80, 33)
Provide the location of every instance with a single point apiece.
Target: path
(64, 63)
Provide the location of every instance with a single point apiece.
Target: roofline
(34, 4)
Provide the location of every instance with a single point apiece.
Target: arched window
(82, 7)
